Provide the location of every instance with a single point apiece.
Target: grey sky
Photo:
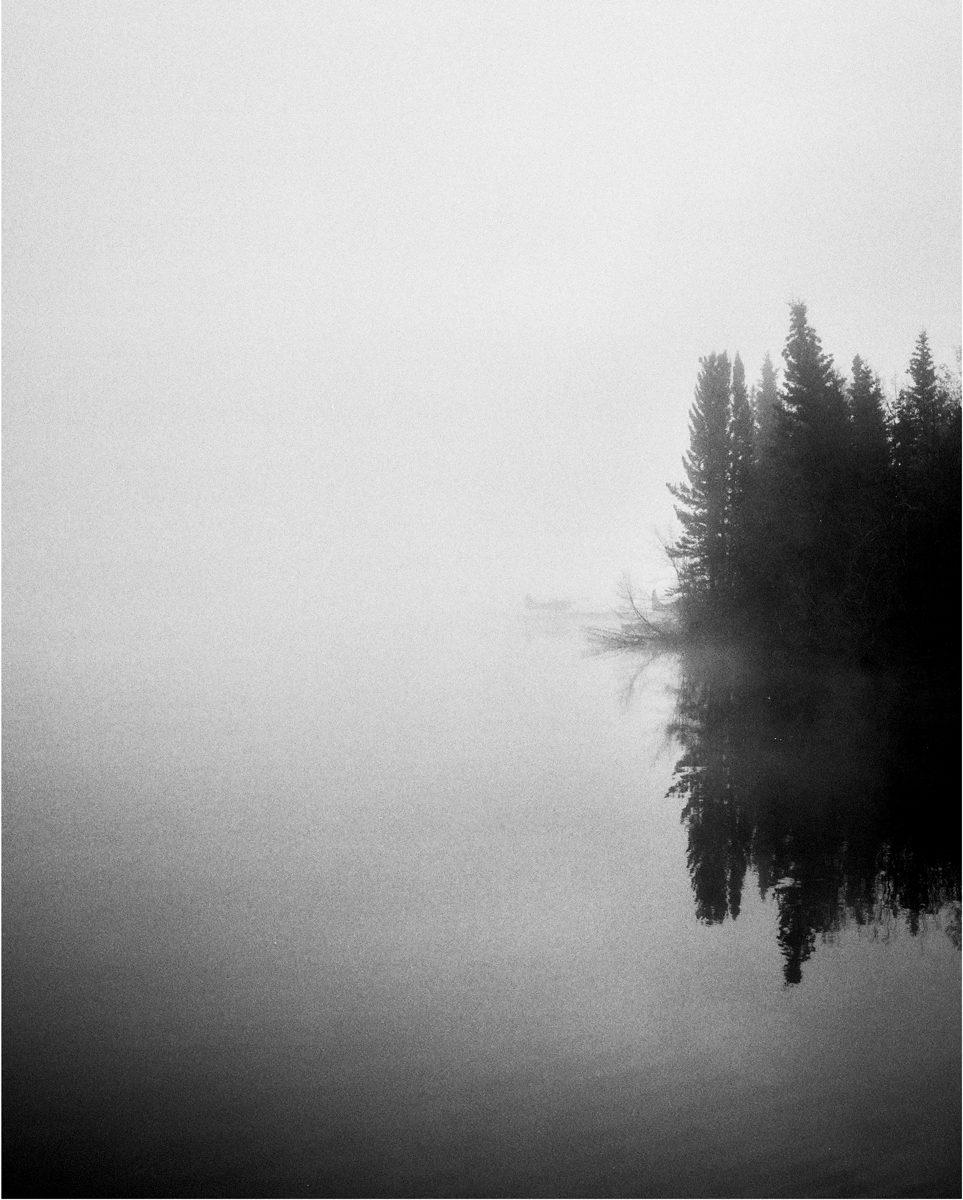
(407, 299)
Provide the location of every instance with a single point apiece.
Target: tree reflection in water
(838, 789)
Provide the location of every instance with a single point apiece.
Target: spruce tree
(702, 550)
(812, 396)
(870, 582)
(926, 447)
(741, 467)
(919, 413)
(765, 405)
(759, 554)
(813, 466)
(741, 437)
(868, 417)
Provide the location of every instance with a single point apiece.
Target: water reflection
(837, 790)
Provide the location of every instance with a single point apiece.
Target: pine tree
(812, 396)
(741, 468)
(813, 466)
(870, 582)
(920, 413)
(760, 561)
(702, 550)
(765, 404)
(742, 437)
(868, 417)
(926, 448)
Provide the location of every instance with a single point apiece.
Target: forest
(817, 620)
(816, 516)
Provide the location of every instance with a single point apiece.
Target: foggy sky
(400, 302)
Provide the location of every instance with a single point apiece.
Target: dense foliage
(814, 514)
(821, 537)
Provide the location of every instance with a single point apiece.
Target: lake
(398, 907)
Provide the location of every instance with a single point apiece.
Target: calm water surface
(454, 909)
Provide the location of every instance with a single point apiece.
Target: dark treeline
(827, 788)
(818, 624)
(816, 516)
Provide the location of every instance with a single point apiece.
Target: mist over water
(405, 909)
(330, 868)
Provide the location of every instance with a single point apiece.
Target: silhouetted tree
(870, 579)
(765, 405)
(917, 421)
(867, 413)
(702, 550)
(741, 469)
(812, 463)
(926, 448)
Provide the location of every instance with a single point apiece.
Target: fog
(333, 331)
(329, 308)
(379, 915)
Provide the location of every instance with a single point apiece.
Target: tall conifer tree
(926, 446)
(741, 466)
(765, 405)
(741, 437)
(814, 463)
(812, 397)
(919, 413)
(701, 551)
(870, 577)
(870, 443)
